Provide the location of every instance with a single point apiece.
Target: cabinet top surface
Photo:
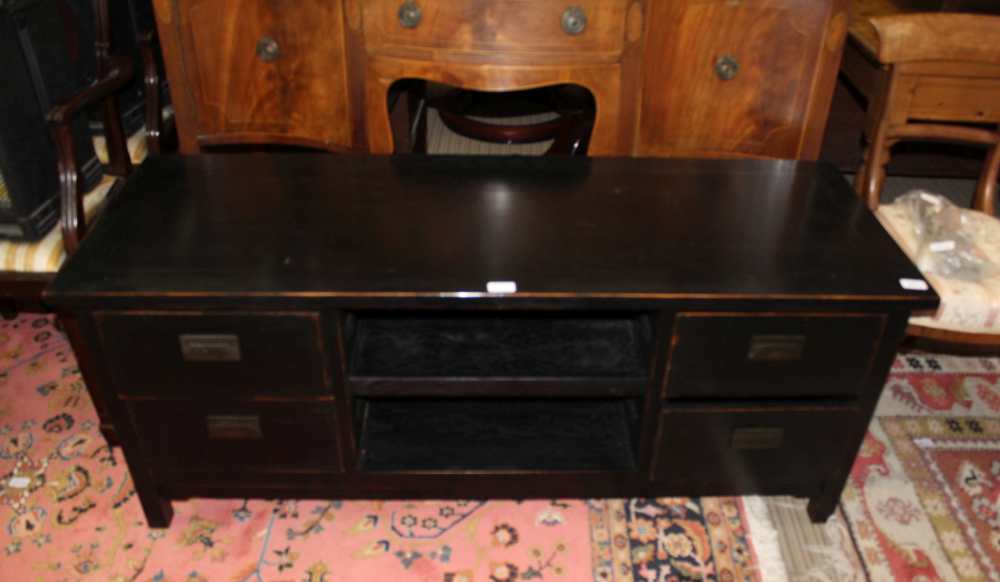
(306, 225)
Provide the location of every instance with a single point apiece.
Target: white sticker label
(941, 246)
(501, 287)
(930, 199)
(19, 482)
(913, 284)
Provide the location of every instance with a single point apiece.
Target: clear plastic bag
(946, 238)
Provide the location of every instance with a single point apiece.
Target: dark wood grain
(617, 228)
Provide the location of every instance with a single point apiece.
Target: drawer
(237, 438)
(486, 25)
(228, 354)
(721, 452)
(748, 355)
(265, 70)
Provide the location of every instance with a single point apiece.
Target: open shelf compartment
(609, 351)
(462, 435)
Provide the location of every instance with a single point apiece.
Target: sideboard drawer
(750, 355)
(231, 354)
(238, 438)
(265, 71)
(511, 25)
(715, 450)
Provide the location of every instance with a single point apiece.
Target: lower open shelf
(454, 434)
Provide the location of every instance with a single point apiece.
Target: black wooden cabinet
(332, 326)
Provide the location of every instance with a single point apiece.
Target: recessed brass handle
(233, 426)
(727, 67)
(268, 49)
(574, 20)
(197, 347)
(776, 348)
(409, 14)
(750, 439)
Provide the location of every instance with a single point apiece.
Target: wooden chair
(28, 267)
(940, 80)
(569, 111)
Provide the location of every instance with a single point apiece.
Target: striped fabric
(443, 141)
(47, 254)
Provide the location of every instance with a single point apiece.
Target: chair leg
(986, 190)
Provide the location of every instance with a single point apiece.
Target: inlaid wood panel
(267, 70)
(738, 77)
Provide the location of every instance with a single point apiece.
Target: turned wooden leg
(986, 190)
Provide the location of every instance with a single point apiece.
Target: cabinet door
(267, 70)
(739, 77)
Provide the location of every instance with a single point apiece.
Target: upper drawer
(560, 26)
(229, 354)
(748, 355)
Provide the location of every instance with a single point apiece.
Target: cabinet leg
(109, 434)
(158, 510)
(822, 507)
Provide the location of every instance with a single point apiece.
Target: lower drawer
(243, 438)
(716, 451)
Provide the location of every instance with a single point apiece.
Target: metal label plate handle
(776, 348)
(210, 347)
(233, 426)
(753, 439)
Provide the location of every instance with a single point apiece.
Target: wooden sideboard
(667, 327)
(717, 78)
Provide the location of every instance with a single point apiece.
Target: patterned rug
(69, 513)
(923, 502)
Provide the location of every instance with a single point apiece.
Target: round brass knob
(268, 49)
(727, 67)
(409, 14)
(574, 20)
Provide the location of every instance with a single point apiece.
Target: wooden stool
(939, 80)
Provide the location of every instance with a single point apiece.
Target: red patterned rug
(69, 513)
(923, 502)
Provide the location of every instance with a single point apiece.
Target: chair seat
(969, 307)
(47, 254)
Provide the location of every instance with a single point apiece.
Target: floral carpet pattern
(923, 499)
(69, 512)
